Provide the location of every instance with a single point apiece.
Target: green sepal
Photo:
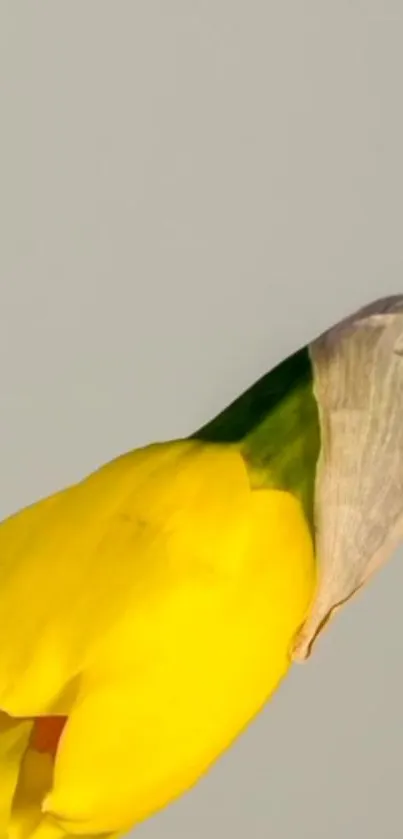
(276, 424)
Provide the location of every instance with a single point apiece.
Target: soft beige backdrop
(190, 189)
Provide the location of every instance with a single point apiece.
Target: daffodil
(149, 612)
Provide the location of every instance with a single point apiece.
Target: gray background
(189, 191)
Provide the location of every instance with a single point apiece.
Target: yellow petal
(35, 780)
(63, 577)
(187, 671)
(14, 737)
